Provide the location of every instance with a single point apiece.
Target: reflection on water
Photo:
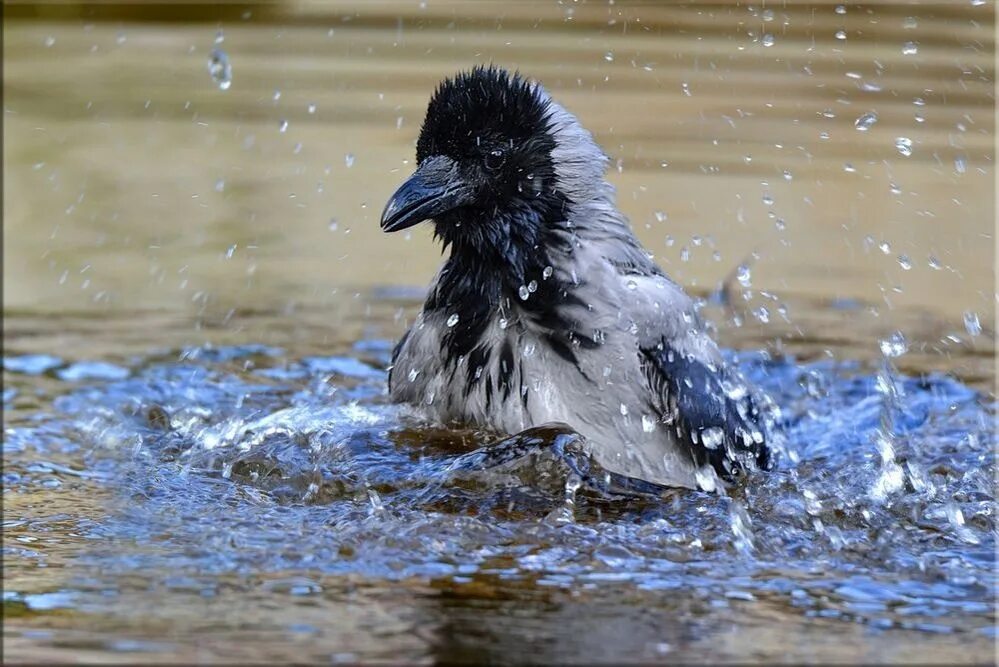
(199, 459)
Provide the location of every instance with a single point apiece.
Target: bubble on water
(348, 160)
(333, 225)
(547, 273)
(712, 437)
(841, 9)
(767, 15)
(971, 324)
(452, 320)
(910, 49)
(895, 190)
(276, 96)
(49, 41)
(894, 346)
(849, 168)
(744, 275)
(824, 136)
(220, 69)
(220, 185)
(934, 262)
(768, 200)
(120, 38)
(282, 126)
(866, 121)
(841, 34)
(960, 165)
(904, 146)
(311, 108)
(904, 262)
(532, 286)
(631, 284)
(768, 40)
(910, 23)
(885, 247)
(624, 410)
(685, 88)
(219, 36)
(523, 293)
(609, 56)
(661, 216)
(684, 254)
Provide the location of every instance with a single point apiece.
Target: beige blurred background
(133, 182)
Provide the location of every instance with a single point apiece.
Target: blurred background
(841, 152)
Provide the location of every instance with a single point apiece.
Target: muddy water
(203, 464)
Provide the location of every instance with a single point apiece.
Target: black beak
(434, 189)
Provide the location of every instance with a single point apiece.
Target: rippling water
(200, 461)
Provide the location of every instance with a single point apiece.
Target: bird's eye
(495, 159)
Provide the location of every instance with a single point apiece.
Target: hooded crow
(547, 308)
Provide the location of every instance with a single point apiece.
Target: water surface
(200, 462)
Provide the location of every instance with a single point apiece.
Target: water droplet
(348, 160)
(49, 41)
(712, 437)
(276, 96)
(904, 262)
(413, 373)
(624, 410)
(685, 87)
(220, 69)
(895, 190)
(768, 40)
(841, 34)
(960, 165)
(311, 108)
(684, 254)
(841, 9)
(744, 275)
(220, 185)
(934, 263)
(910, 49)
(910, 23)
(661, 216)
(971, 324)
(768, 200)
(767, 15)
(219, 36)
(866, 121)
(894, 346)
(609, 57)
(523, 293)
(452, 320)
(503, 323)
(282, 126)
(334, 225)
(787, 175)
(885, 247)
(532, 286)
(547, 273)
(762, 314)
(648, 424)
(849, 168)
(904, 146)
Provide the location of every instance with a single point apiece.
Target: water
(200, 461)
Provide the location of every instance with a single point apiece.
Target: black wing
(714, 413)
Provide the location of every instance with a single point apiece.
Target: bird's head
(498, 163)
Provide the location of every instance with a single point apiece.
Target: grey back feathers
(557, 314)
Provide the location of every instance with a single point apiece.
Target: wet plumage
(547, 308)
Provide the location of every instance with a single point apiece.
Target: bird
(547, 309)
